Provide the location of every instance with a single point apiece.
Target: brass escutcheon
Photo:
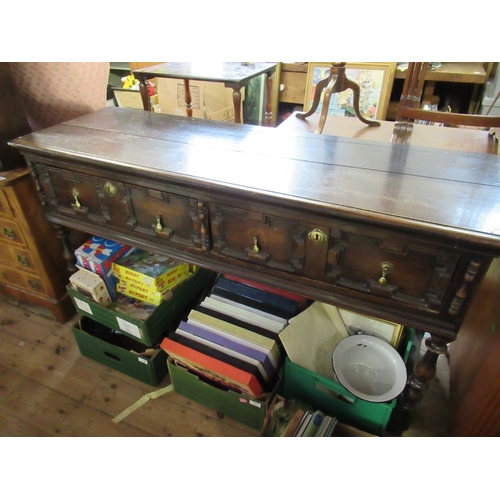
(22, 260)
(385, 268)
(317, 236)
(110, 189)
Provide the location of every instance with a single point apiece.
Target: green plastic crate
(115, 351)
(334, 399)
(246, 409)
(151, 330)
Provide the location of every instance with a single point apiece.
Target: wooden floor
(47, 388)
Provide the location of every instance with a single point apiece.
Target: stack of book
(306, 423)
(232, 336)
(148, 276)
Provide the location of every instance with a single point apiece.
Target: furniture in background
(411, 112)
(353, 223)
(335, 82)
(32, 260)
(234, 75)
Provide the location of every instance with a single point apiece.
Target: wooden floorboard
(47, 388)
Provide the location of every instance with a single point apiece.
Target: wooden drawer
(5, 210)
(390, 266)
(14, 256)
(11, 232)
(21, 279)
(168, 216)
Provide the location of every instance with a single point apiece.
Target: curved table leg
(349, 84)
(317, 97)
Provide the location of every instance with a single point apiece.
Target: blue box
(98, 254)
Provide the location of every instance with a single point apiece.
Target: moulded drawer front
(4, 205)
(70, 193)
(11, 232)
(258, 238)
(22, 280)
(171, 217)
(18, 257)
(391, 266)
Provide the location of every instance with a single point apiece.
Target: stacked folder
(232, 336)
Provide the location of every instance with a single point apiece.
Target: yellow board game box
(155, 271)
(145, 293)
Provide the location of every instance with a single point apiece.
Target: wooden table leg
(187, 98)
(237, 105)
(146, 103)
(268, 120)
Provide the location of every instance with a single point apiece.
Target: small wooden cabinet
(32, 267)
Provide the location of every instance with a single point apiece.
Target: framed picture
(374, 79)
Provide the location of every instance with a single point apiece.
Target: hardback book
(301, 300)
(226, 373)
(293, 423)
(253, 317)
(314, 423)
(230, 342)
(184, 331)
(241, 329)
(259, 299)
(303, 424)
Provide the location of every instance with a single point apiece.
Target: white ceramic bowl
(369, 368)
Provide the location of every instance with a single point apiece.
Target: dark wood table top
(225, 72)
(441, 192)
(459, 139)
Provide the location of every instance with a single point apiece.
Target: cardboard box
(209, 100)
(151, 270)
(120, 352)
(244, 408)
(98, 254)
(144, 293)
(91, 285)
(141, 321)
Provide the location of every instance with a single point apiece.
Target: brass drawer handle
(385, 268)
(34, 284)
(76, 197)
(159, 224)
(160, 227)
(256, 248)
(22, 259)
(9, 233)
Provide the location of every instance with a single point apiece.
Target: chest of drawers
(32, 267)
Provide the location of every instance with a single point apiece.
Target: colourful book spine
(224, 371)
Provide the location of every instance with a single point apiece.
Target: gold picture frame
(375, 81)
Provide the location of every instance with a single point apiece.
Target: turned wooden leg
(68, 253)
(187, 99)
(268, 118)
(425, 370)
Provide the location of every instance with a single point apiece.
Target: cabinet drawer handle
(76, 197)
(9, 233)
(385, 268)
(256, 248)
(160, 227)
(22, 260)
(33, 284)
